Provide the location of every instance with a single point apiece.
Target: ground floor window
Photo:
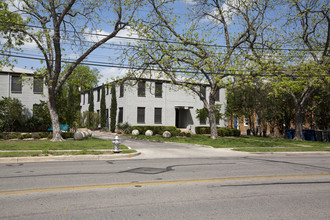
(141, 114)
(158, 115)
(120, 115)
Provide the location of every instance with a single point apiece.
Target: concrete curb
(66, 158)
(293, 153)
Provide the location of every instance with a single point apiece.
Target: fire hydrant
(116, 143)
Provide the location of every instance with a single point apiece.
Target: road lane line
(114, 185)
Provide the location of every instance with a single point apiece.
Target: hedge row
(157, 129)
(221, 131)
(35, 136)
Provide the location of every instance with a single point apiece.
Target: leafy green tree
(11, 114)
(10, 23)
(113, 109)
(103, 109)
(307, 27)
(187, 56)
(58, 21)
(68, 99)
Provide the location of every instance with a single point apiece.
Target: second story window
(203, 91)
(98, 95)
(38, 86)
(83, 98)
(158, 90)
(142, 89)
(217, 95)
(16, 84)
(121, 90)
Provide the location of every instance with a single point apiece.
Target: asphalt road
(245, 187)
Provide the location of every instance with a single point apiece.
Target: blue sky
(103, 54)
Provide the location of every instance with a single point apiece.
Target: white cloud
(109, 74)
(190, 2)
(95, 36)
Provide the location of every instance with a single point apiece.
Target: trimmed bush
(25, 136)
(36, 136)
(222, 132)
(14, 136)
(44, 135)
(67, 135)
(2, 136)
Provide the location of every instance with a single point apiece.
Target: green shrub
(25, 136)
(188, 134)
(50, 136)
(44, 135)
(67, 135)
(222, 132)
(36, 136)
(14, 136)
(202, 130)
(125, 128)
(2, 136)
(228, 132)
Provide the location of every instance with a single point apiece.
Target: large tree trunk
(212, 119)
(54, 117)
(299, 120)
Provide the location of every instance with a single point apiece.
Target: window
(203, 91)
(107, 90)
(158, 115)
(84, 99)
(142, 89)
(158, 89)
(98, 95)
(38, 85)
(141, 114)
(121, 90)
(16, 85)
(120, 115)
(217, 95)
(246, 121)
(202, 121)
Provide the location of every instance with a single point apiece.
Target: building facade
(23, 85)
(155, 102)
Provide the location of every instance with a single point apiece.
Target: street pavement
(169, 181)
(153, 149)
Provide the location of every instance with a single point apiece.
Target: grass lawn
(21, 148)
(247, 143)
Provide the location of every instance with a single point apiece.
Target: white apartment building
(155, 102)
(22, 84)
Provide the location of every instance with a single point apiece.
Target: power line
(162, 41)
(120, 66)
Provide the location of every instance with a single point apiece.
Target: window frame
(142, 89)
(38, 81)
(159, 121)
(141, 113)
(120, 115)
(14, 84)
(159, 92)
(121, 90)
